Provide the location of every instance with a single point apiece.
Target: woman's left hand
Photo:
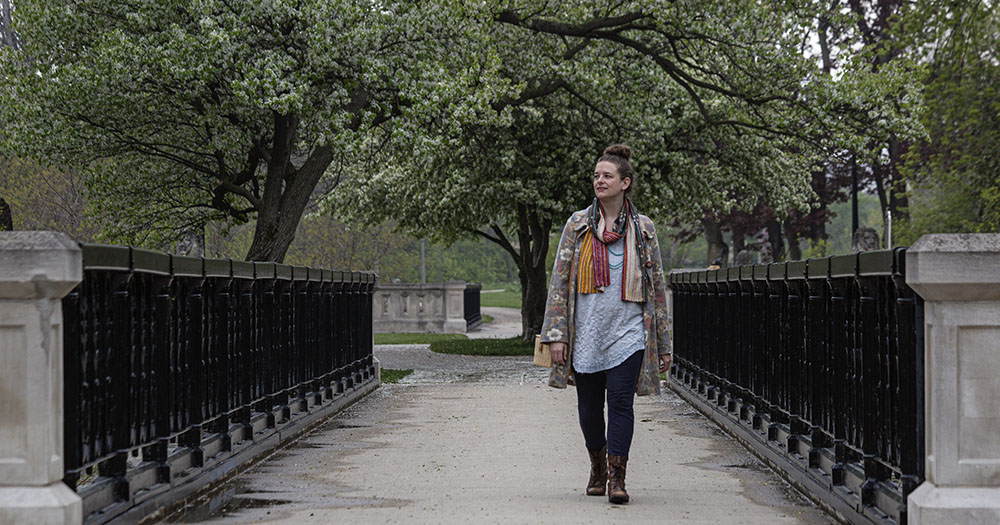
(665, 363)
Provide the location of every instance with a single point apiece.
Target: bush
(390, 375)
(492, 347)
(415, 339)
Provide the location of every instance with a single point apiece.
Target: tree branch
(559, 28)
(500, 239)
(544, 88)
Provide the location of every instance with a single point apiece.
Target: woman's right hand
(558, 351)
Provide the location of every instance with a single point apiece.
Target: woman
(606, 318)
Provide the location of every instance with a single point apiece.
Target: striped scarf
(594, 272)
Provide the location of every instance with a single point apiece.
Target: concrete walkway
(479, 438)
(506, 323)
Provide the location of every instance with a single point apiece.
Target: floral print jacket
(559, 321)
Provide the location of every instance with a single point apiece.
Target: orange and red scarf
(594, 272)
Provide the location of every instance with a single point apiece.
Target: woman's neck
(612, 207)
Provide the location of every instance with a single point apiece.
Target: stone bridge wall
(406, 307)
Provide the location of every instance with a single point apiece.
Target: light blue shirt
(608, 330)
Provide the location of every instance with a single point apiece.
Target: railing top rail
(862, 264)
(101, 257)
(777, 271)
(131, 259)
(243, 270)
(796, 270)
(843, 266)
(875, 263)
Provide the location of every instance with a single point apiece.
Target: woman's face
(608, 184)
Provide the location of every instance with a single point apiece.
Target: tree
(323, 242)
(874, 102)
(185, 112)
(712, 121)
(866, 44)
(41, 198)
(954, 172)
(934, 174)
(776, 232)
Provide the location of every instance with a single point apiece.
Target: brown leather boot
(616, 479)
(598, 484)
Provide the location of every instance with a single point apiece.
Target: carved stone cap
(414, 287)
(454, 285)
(955, 267)
(38, 265)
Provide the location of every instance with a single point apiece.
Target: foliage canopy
(185, 111)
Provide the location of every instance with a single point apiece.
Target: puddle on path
(233, 498)
(293, 479)
(760, 484)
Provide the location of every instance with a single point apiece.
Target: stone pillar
(454, 307)
(36, 270)
(959, 278)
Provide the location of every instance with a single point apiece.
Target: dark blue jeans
(619, 383)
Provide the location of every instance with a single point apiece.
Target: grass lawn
(390, 375)
(506, 299)
(512, 346)
(487, 319)
(415, 339)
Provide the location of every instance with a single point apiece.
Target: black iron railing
(822, 357)
(163, 352)
(473, 313)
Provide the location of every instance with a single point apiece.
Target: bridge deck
(483, 438)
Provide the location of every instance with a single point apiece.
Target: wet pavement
(506, 323)
(482, 438)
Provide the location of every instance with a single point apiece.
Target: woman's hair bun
(619, 150)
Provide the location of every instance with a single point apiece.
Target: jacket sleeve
(555, 325)
(659, 294)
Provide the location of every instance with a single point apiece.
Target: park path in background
(483, 438)
(506, 323)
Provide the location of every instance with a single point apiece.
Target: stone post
(36, 270)
(454, 307)
(959, 278)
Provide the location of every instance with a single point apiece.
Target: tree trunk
(272, 239)
(533, 237)
(898, 201)
(739, 239)
(817, 228)
(529, 257)
(794, 251)
(879, 175)
(717, 247)
(534, 291)
(855, 224)
(287, 190)
(6, 218)
(776, 243)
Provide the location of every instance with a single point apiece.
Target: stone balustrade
(959, 278)
(37, 269)
(407, 307)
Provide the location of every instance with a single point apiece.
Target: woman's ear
(626, 183)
